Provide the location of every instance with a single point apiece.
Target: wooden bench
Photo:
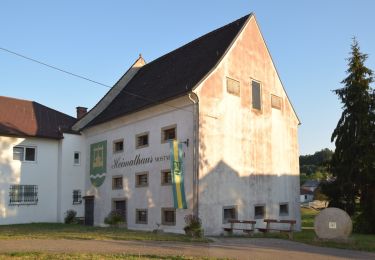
(268, 227)
(247, 226)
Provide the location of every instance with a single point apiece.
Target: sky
(309, 42)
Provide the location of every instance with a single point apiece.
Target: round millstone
(333, 223)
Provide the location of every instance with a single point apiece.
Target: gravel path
(236, 248)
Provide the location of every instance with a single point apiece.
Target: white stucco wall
(155, 196)
(43, 173)
(71, 176)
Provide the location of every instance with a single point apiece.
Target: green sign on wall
(98, 163)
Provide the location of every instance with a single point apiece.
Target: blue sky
(308, 40)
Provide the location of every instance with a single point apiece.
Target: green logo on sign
(98, 163)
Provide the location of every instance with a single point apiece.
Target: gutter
(194, 98)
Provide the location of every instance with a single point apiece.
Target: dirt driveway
(236, 248)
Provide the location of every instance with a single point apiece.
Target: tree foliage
(353, 162)
(317, 162)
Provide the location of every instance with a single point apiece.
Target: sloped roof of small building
(174, 74)
(24, 118)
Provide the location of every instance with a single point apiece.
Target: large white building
(221, 97)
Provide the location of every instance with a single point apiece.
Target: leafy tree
(318, 162)
(353, 162)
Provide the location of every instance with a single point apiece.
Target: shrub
(193, 226)
(114, 218)
(70, 217)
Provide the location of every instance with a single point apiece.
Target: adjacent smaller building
(41, 163)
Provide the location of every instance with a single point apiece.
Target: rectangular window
(117, 183)
(259, 212)
(77, 158)
(23, 195)
(119, 205)
(24, 153)
(77, 197)
(141, 179)
(233, 87)
(141, 216)
(284, 209)
(118, 146)
(166, 177)
(229, 212)
(141, 140)
(276, 102)
(256, 95)
(168, 216)
(168, 133)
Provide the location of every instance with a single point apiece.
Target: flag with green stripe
(177, 172)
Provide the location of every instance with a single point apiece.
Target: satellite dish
(333, 223)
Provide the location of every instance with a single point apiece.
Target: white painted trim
(110, 96)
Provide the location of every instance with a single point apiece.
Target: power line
(92, 81)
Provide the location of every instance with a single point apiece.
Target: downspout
(194, 98)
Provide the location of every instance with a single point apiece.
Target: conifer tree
(353, 162)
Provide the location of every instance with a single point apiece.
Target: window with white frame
(77, 158)
(23, 195)
(77, 197)
(24, 153)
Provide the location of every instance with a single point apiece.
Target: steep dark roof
(173, 74)
(28, 118)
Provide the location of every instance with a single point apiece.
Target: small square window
(141, 179)
(118, 146)
(77, 158)
(276, 102)
(256, 95)
(229, 212)
(259, 212)
(141, 216)
(166, 177)
(233, 87)
(284, 209)
(168, 133)
(168, 216)
(77, 197)
(117, 183)
(141, 140)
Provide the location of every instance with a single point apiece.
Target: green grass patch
(63, 256)
(66, 231)
(307, 217)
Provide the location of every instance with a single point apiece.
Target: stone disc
(333, 223)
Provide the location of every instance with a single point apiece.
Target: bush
(193, 226)
(70, 217)
(114, 218)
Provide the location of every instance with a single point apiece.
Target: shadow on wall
(224, 187)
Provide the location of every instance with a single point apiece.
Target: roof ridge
(197, 39)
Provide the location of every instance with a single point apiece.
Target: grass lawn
(77, 256)
(65, 231)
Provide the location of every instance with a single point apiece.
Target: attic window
(256, 95)
(276, 102)
(233, 87)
